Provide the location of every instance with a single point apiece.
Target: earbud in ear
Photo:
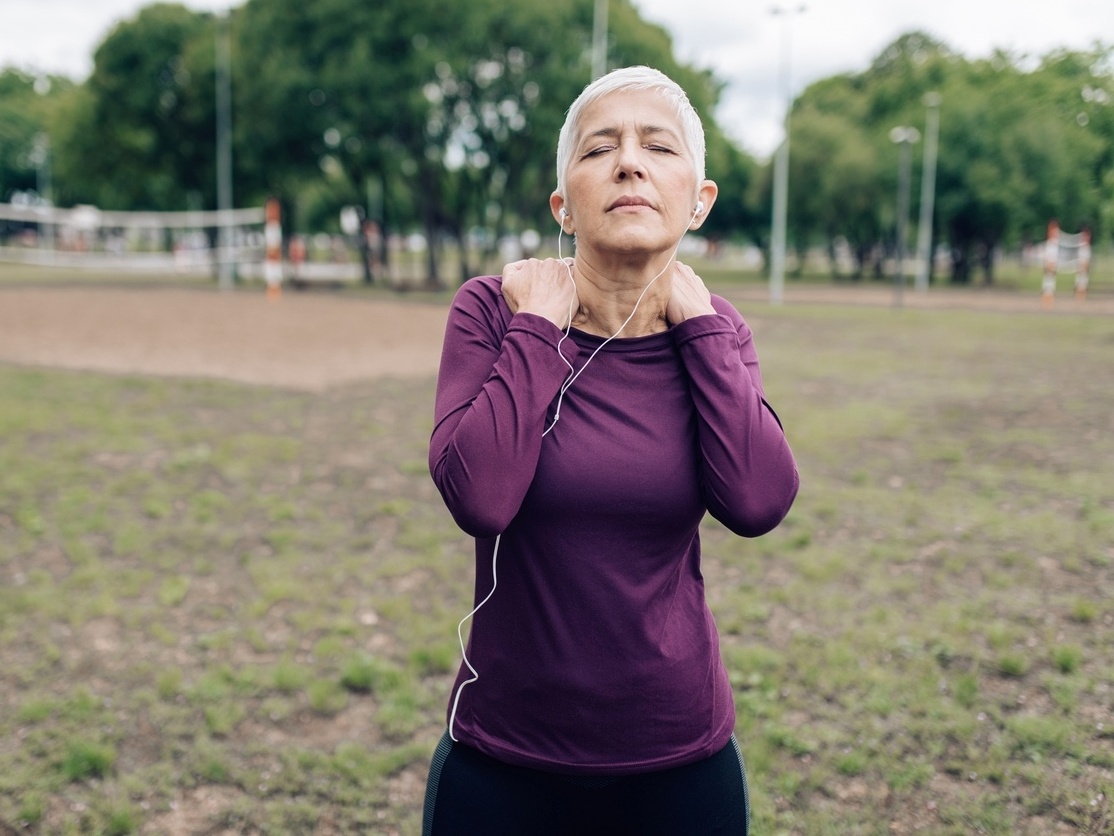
(699, 207)
(564, 213)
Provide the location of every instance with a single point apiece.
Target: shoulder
(480, 294)
(725, 308)
(480, 290)
(479, 303)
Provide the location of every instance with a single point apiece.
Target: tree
(453, 110)
(133, 141)
(18, 130)
(1018, 155)
(1017, 146)
(837, 186)
(736, 214)
(30, 106)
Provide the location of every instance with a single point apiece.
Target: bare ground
(300, 341)
(311, 342)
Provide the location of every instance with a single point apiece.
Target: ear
(556, 205)
(707, 196)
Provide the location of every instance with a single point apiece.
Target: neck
(607, 299)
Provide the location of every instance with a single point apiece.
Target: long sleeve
(748, 475)
(498, 375)
(600, 599)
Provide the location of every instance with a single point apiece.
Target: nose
(629, 160)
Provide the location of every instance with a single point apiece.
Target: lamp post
(40, 157)
(780, 208)
(904, 137)
(599, 40)
(224, 152)
(928, 192)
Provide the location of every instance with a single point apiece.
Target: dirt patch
(311, 342)
(299, 342)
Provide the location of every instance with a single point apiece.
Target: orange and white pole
(272, 238)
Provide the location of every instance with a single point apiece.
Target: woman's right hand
(541, 286)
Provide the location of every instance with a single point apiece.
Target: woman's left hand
(689, 296)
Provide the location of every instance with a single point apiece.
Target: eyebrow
(643, 131)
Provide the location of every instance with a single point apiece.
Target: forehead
(641, 110)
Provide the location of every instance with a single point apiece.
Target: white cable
(460, 638)
(571, 379)
(564, 336)
(573, 375)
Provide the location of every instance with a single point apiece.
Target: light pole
(224, 152)
(780, 208)
(928, 192)
(904, 137)
(599, 40)
(40, 156)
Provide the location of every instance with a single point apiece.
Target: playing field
(229, 592)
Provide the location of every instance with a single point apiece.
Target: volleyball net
(1065, 252)
(89, 238)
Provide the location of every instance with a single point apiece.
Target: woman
(589, 412)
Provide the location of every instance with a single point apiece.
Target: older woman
(589, 412)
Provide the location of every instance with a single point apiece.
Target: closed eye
(595, 152)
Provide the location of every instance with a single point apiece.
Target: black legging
(471, 794)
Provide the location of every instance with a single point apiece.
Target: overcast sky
(743, 42)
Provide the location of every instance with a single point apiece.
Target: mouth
(630, 201)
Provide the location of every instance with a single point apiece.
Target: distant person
(297, 256)
(589, 411)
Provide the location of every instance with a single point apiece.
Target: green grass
(241, 602)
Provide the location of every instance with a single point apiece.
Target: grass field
(230, 608)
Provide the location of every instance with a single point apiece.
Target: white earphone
(569, 381)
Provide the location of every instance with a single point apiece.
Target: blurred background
(412, 143)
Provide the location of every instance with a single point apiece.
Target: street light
(928, 191)
(224, 152)
(40, 158)
(599, 40)
(781, 165)
(904, 137)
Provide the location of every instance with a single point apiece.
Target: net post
(272, 237)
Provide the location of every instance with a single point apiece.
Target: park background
(229, 593)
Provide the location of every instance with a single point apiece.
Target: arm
(748, 475)
(499, 373)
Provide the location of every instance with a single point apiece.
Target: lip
(630, 201)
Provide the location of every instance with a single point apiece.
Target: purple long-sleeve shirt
(597, 653)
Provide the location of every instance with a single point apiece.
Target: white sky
(742, 41)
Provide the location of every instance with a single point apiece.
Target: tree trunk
(429, 222)
(986, 261)
(961, 265)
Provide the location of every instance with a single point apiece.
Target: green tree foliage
(835, 185)
(18, 129)
(451, 112)
(29, 110)
(444, 117)
(139, 138)
(1019, 144)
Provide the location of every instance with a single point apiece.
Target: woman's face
(631, 183)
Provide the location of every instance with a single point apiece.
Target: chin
(637, 245)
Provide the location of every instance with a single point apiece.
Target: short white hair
(623, 80)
